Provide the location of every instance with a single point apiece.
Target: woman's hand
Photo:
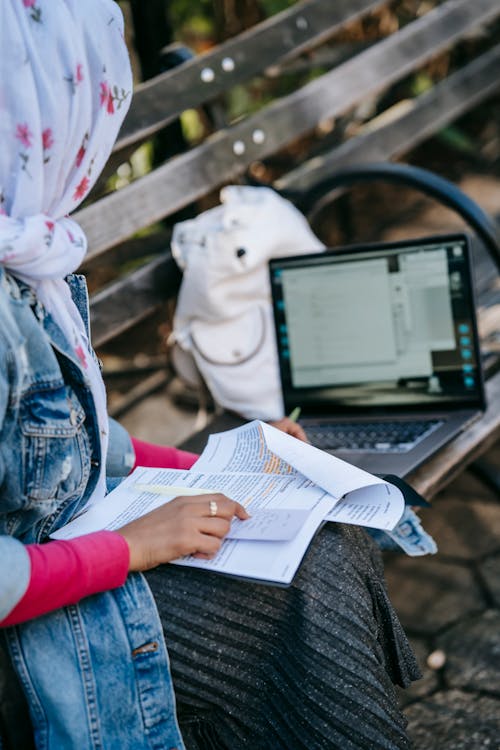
(183, 526)
(290, 427)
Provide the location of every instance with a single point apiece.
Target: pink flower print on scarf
(47, 143)
(80, 155)
(49, 236)
(25, 136)
(108, 97)
(47, 139)
(76, 242)
(75, 79)
(82, 150)
(80, 353)
(35, 12)
(81, 188)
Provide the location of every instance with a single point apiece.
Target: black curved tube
(421, 179)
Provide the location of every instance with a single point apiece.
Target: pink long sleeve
(63, 572)
(161, 456)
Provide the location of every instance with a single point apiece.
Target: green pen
(295, 414)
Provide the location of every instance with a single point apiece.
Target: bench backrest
(297, 39)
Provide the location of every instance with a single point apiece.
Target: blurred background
(161, 34)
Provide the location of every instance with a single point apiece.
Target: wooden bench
(351, 105)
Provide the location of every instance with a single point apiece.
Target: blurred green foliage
(275, 6)
(198, 16)
(184, 12)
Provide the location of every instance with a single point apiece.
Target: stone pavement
(449, 605)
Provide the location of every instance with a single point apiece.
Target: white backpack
(223, 328)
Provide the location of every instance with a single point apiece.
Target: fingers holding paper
(184, 526)
(291, 428)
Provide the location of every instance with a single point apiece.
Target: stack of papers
(289, 488)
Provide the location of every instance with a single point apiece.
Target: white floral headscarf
(65, 87)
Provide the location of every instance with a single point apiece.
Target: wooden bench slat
(485, 271)
(449, 99)
(187, 177)
(128, 301)
(163, 98)
(455, 457)
(364, 75)
(424, 116)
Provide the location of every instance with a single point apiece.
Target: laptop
(378, 346)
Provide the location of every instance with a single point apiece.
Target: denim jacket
(96, 674)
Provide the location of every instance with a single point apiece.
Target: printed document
(289, 488)
(360, 498)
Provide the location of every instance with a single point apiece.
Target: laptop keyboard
(383, 437)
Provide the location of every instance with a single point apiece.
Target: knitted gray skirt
(310, 666)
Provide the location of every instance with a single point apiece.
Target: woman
(94, 673)
(310, 666)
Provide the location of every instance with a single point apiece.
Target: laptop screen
(378, 326)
